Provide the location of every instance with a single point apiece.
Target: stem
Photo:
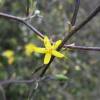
(82, 48)
(27, 9)
(77, 4)
(16, 81)
(21, 20)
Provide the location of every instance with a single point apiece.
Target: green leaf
(61, 77)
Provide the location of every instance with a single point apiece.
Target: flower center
(49, 50)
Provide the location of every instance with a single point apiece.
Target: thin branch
(38, 68)
(82, 48)
(77, 28)
(89, 18)
(4, 15)
(77, 3)
(2, 93)
(3, 82)
(29, 17)
(16, 81)
(28, 6)
(21, 20)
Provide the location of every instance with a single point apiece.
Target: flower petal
(28, 53)
(57, 54)
(29, 48)
(47, 58)
(8, 53)
(40, 50)
(10, 60)
(55, 46)
(47, 42)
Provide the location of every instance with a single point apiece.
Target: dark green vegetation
(80, 66)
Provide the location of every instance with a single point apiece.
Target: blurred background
(50, 17)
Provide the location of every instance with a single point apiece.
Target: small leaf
(61, 77)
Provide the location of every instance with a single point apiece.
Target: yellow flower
(49, 50)
(9, 54)
(29, 49)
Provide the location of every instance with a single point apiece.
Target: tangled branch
(77, 28)
(89, 18)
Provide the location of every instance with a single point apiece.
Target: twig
(27, 81)
(38, 68)
(2, 93)
(90, 17)
(77, 3)
(21, 20)
(82, 48)
(29, 17)
(16, 81)
(27, 9)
